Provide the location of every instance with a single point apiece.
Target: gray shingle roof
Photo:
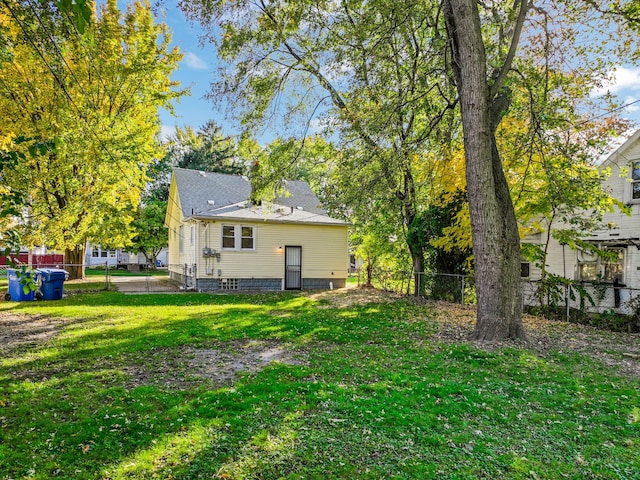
(218, 195)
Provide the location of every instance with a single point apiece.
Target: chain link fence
(606, 305)
(183, 275)
(130, 278)
(435, 286)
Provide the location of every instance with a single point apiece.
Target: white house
(96, 256)
(619, 234)
(220, 240)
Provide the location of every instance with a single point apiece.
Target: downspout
(196, 250)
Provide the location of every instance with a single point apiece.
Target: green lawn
(100, 272)
(113, 386)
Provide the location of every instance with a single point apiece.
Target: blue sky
(198, 67)
(196, 71)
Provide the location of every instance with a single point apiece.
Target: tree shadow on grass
(116, 394)
(75, 399)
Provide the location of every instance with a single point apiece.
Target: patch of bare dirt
(620, 350)
(185, 366)
(348, 297)
(19, 331)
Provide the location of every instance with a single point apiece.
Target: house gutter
(338, 223)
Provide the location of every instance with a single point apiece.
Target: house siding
(173, 220)
(324, 241)
(618, 226)
(324, 255)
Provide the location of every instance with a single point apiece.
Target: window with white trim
(228, 236)
(635, 181)
(238, 237)
(246, 241)
(605, 269)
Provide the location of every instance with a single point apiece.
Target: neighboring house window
(614, 269)
(606, 270)
(95, 253)
(112, 254)
(103, 253)
(635, 178)
(236, 237)
(524, 269)
(588, 271)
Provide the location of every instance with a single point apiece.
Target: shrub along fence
(605, 305)
(434, 286)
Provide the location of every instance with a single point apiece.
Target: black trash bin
(52, 282)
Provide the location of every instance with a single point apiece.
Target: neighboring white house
(219, 240)
(620, 234)
(96, 256)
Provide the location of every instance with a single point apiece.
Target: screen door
(292, 268)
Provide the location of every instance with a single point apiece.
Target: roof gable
(622, 151)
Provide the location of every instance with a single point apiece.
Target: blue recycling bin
(16, 292)
(52, 282)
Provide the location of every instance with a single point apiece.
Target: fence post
(106, 275)
(147, 279)
(184, 277)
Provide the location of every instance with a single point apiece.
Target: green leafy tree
(206, 149)
(151, 234)
(390, 77)
(368, 70)
(92, 96)
(501, 52)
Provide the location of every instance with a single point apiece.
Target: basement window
(228, 284)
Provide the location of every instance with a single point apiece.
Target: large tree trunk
(74, 262)
(496, 244)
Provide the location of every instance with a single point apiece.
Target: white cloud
(166, 131)
(193, 61)
(622, 78)
(633, 106)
